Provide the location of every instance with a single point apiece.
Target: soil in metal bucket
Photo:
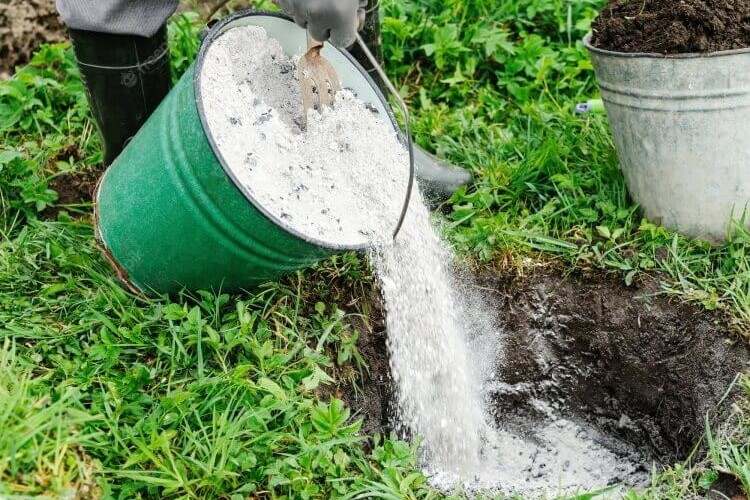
(673, 27)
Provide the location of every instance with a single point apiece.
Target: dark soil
(373, 400)
(673, 26)
(73, 188)
(635, 366)
(24, 25)
(727, 486)
(369, 392)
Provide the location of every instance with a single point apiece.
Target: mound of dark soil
(73, 188)
(24, 25)
(673, 26)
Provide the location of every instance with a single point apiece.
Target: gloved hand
(335, 21)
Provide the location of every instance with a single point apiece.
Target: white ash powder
(429, 334)
(326, 182)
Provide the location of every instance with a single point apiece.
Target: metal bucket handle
(407, 127)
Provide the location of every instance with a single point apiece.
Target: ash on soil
(625, 369)
(633, 362)
(24, 26)
(673, 27)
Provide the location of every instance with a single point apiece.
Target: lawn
(208, 395)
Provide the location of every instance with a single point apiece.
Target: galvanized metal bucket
(681, 125)
(170, 214)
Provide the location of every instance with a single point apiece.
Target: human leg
(122, 52)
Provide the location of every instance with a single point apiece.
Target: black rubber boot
(437, 179)
(126, 77)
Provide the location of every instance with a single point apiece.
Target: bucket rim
(103, 247)
(215, 31)
(587, 42)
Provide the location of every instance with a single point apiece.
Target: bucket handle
(407, 127)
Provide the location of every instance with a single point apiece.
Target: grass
(42, 430)
(731, 455)
(207, 395)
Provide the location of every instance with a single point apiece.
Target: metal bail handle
(407, 127)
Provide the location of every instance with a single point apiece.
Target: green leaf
(273, 388)
(328, 419)
(54, 289)
(317, 377)
(8, 155)
(174, 312)
(264, 350)
(603, 232)
(493, 39)
(707, 479)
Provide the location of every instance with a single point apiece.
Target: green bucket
(171, 215)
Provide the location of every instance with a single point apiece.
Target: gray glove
(335, 21)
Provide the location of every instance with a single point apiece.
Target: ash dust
(437, 378)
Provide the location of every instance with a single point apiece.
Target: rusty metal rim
(120, 272)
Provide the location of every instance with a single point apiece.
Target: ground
(24, 25)
(284, 391)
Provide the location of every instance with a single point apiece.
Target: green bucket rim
(214, 32)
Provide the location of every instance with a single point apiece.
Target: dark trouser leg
(126, 77)
(437, 179)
